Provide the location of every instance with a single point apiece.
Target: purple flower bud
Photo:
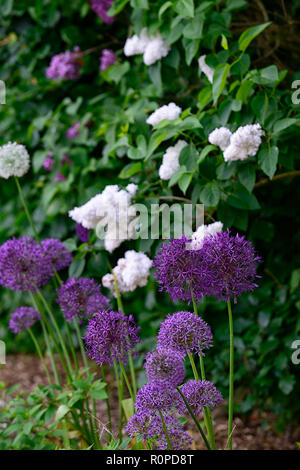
(73, 131)
(48, 163)
(82, 233)
(108, 57)
(23, 318)
(66, 65)
(59, 177)
(101, 7)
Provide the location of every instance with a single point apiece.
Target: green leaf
(224, 42)
(203, 154)
(219, 80)
(163, 8)
(286, 384)
(267, 160)
(210, 194)
(116, 7)
(76, 267)
(61, 412)
(247, 175)
(178, 173)
(185, 181)
(188, 157)
(194, 28)
(115, 72)
(128, 407)
(242, 199)
(130, 170)
(282, 124)
(98, 394)
(185, 8)
(247, 36)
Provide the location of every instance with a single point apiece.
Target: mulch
(249, 434)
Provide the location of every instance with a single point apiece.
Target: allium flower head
(57, 252)
(155, 396)
(220, 137)
(48, 163)
(23, 318)
(180, 440)
(206, 69)
(131, 272)
(80, 298)
(73, 131)
(101, 7)
(82, 233)
(201, 393)
(149, 425)
(185, 332)
(66, 65)
(178, 269)
(170, 163)
(170, 112)
(110, 336)
(14, 160)
(229, 263)
(108, 57)
(24, 265)
(166, 366)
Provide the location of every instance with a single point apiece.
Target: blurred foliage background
(258, 197)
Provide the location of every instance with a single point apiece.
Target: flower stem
(194, 418)
(165, 430)
(72, 346)
(26, 208)
(127, 382)
(195, 372)
(120, 395)
(84, 358)
(231, 376)
(38, 349)
(107, 401)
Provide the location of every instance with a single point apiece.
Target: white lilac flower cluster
(242, 144)
(131, 272)
(112, 210)
(202, 232)
(14, 160)
(152, 47)
(170, 163)
(206, 69)
(169, 111)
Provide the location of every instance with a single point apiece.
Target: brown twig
(289, 174)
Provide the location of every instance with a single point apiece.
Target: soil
(27, 371)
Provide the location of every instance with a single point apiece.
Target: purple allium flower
(82, 233)
(180, 440)
(57, 252)
(155, 396)
(178, 270)
(184, 332)
(23, 265)
(229, 263)
(149, 425)
(110, 336)
(66, 65)
(23, 318)
(48, 163)
(166, 366)
(101, 7)
(108, 57)
(201, 393)
(59, 177)
(80, 298)
(73, 131)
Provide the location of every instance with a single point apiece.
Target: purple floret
(101, 7)
(24, 266)
(165, 365)
(201, 393)
(178, 270)
(57, 252)
(66, 65)
(82, 233)
(180, 440)
(73, 131)
(80, 298)
(23, 318)
(110, 336)
(156, 397)
(229, 263)
(48, 163)
(108, 57)
(184, 332)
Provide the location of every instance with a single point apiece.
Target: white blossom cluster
(170, 163)
(242, 144)
(152, 47)
(131, 272)
(112, 210)
(206, 69)
(168, 111)
(202, 232)
(14, 160)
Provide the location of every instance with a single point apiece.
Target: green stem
(127, 382)
(107, 401)
(194, 419)
(231, 376)
(26, 208)
(195, 372)
(120, 395)
(70, 341)
(84, 358)
(66, 436)
(66, 354)
(165, 431)
(40, 353)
